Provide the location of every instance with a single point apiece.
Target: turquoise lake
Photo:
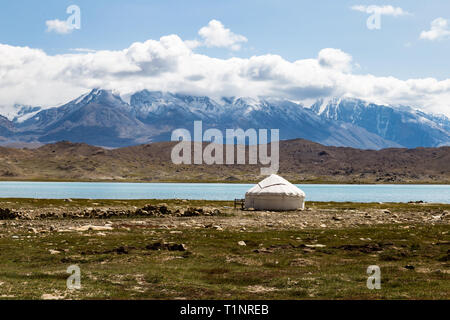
(218, 191)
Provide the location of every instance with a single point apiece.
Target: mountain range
(103, 118)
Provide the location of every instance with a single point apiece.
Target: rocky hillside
(300, 161)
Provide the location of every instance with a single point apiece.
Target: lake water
(218, 191)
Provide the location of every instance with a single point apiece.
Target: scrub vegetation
(320, 253)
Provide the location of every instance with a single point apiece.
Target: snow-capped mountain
(19, 113)
(173, 111)
(25, 112)
(6, 128)
(404, 125)
(153, 107)
(99, 118)
(103, 118)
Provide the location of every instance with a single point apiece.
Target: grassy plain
(320, 253)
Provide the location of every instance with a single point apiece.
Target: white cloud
(216, 35)
(440, 30)
(193, 43)
(58, 26)
(83, 50)
(387, 10)
(335, 59)
(32, 77)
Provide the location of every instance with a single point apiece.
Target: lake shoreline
(43, 205)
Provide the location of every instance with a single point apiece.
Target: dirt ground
(62, 216)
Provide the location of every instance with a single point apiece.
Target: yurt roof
(275, 184)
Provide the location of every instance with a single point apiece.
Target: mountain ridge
(103, 118)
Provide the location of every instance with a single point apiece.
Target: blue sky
(293, 30)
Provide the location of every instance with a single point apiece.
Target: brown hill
(300, 161)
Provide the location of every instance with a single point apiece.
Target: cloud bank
(31, 76)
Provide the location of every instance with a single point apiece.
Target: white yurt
(275, 193)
